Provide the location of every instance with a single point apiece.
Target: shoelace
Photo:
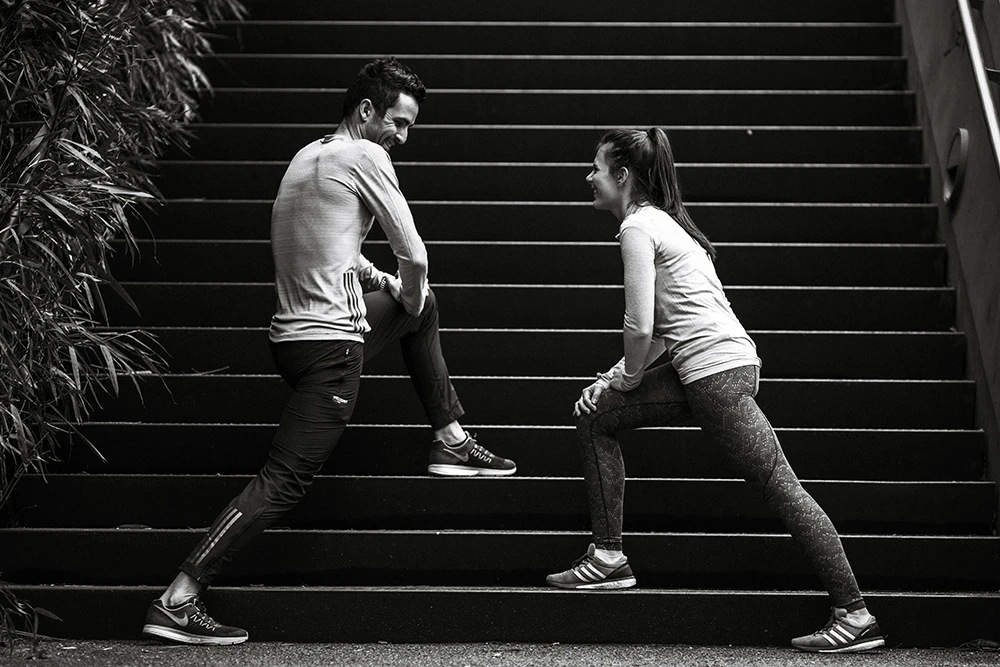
(481, 453)
(842, 626)
(201, 617)
(581, 561)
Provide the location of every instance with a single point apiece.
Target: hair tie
(651, 133)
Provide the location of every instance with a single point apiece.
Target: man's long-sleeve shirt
(331, 194)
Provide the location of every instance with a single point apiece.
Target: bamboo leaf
(74, 363)
(123, 192)
(79, 151)
(120, 291)
(41, 611)
(112, 373)
(22, 439)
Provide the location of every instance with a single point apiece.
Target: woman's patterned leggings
(723, 405)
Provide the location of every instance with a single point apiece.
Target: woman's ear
(622, 176)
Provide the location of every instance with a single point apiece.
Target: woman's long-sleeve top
(674, 302)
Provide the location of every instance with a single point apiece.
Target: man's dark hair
(382, 81)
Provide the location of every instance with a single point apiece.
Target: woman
(674, 303)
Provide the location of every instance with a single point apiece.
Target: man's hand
(587, 402)
(393, 285)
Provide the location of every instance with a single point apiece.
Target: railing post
(979, 72)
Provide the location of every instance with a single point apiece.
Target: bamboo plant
(91, 93)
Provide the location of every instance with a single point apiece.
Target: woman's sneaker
(467, 460)
(841, 636)
(589, 572)
(189, 623)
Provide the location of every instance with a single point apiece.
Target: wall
(940, 73)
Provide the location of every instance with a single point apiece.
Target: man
(334, 308)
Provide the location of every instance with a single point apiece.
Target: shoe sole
(160, 632)
(448, 470)
(862, 646)
(616, 584)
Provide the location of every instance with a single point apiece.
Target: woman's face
(607, 191)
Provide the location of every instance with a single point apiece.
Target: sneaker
(840, 636)
(468, 460)
(590, 573)
(189, 623)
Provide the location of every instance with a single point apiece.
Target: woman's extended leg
(724, 407)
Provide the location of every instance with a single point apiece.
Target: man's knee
(430, 303)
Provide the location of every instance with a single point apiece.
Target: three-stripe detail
(222, 526)
(355, 302)
(588, 572)
(838, 635)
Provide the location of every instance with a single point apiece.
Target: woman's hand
(587, 402)
(618, 383)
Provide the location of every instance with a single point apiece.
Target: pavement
(65, 653)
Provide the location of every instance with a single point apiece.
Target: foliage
(15, 614)
(91, 92)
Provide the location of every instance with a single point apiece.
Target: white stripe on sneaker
(842, 634)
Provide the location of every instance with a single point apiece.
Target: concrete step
(933, 404)
(503, 262)
(540, 451)
(562, 181)
(622, 106)
(409, 614)
(511, 143)
(510, 503)
(591, 10)
(559, 306)
(597, 72)
(476, 558)
(573, 221)
(562, 352)
(553, 38)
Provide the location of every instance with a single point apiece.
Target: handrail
(979, 73)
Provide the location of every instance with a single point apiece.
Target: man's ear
(366, 109)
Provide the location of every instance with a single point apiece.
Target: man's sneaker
(467, 460)
(840, 636)
(590, 573)
(189, 623)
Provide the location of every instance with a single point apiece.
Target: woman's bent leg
(658, 401)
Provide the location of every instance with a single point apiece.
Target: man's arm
(379, 189)
(371, 277)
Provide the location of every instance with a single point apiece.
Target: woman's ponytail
(665, 181)
(650, 159)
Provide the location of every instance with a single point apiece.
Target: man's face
(392, 127)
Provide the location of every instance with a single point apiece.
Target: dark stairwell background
(801, 157)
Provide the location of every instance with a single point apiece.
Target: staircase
(799, 158)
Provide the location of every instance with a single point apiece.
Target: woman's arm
(638, 257)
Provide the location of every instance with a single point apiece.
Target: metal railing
(982, 75)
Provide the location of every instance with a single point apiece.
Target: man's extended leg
(454, 452)
(325, 378)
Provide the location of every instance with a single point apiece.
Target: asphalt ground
(64, 653)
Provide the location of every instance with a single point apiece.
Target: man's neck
(349, 130)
